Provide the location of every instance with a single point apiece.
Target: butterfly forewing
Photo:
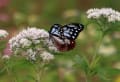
(55, 30)
(72, 30)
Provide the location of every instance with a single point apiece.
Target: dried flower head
(108, 13)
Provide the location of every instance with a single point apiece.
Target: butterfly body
(64, 36)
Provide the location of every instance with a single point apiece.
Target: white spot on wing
(55, 25)
(71, 32)
(65, 28)
(76, 31)
(73, 37)
(75, 34)
(75, 27)
(71, 25)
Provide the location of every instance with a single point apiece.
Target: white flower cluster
(33, 42)
(3, 33)
(47, 56)
(108, 13)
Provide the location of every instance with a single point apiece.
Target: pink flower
(4, 17)
(3, 3)
(7, 51)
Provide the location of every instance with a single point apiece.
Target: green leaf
(82, 63)
(107, 73)
(102, 74)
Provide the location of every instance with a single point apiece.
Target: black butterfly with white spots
(64, 36)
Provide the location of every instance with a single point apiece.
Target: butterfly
(64, 36)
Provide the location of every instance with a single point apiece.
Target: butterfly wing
(72, 30)
(64, 36)
(55, 30)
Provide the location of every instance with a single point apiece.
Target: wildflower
(25, 42)
(32, 41)
(47, 56)
(7, 52)
(31, 54)
(108, 13)
(3, 33)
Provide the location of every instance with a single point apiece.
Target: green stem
(11, 72)
(96, 57)
(39, 71)
(88, 78)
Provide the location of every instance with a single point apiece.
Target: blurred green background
(18, 14)
(44, 13)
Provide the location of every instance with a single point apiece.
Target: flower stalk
(103, 17)
(39, 71)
